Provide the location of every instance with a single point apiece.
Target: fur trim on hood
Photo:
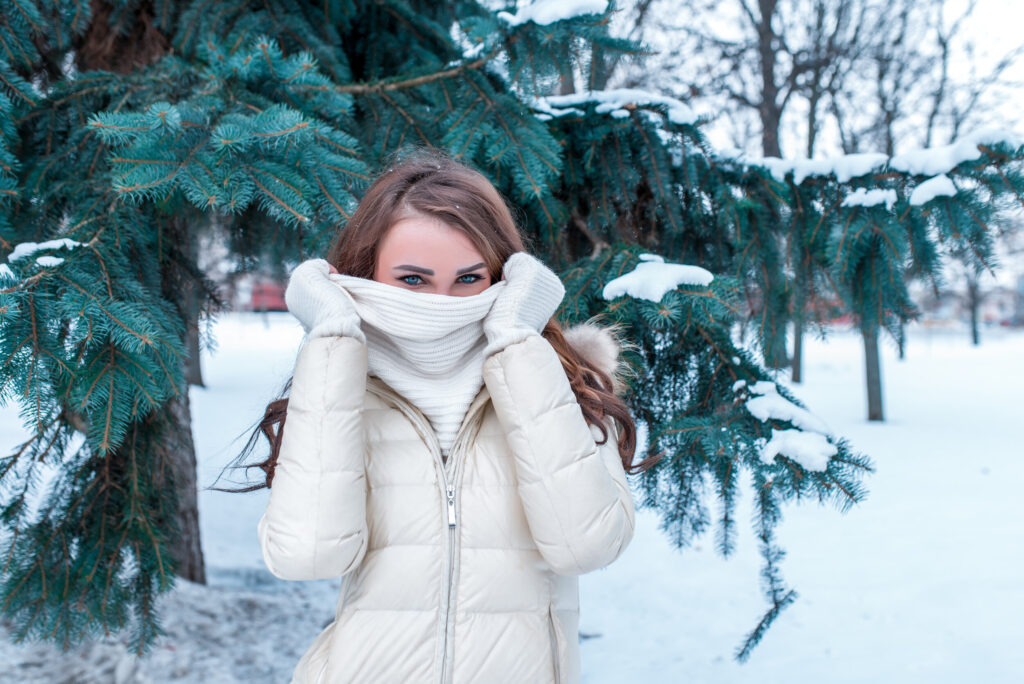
(602, 347)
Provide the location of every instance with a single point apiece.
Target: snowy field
(924, 582)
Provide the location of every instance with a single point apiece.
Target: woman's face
(423, 254)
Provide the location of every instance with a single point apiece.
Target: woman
(448, 451)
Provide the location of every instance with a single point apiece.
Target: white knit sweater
(428, 347)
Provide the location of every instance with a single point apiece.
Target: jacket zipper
(450, 492)
(423, 425)
(456, 461)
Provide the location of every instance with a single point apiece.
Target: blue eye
(464, 279)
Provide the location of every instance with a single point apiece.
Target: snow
(928, 162)
(810, 449)
(546, 111)
(474, 51)
(870, 198)
(26, 249)
(851, 166)
(671, 142)
(642, 436)
(768, 404)
(940, 186)
(544, 12)
(933, 161)
(614, 100)
(778, 168)
(843, 167)
(920, 583)
(652, 278)
(470, 49)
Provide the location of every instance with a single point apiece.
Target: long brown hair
(428, 182)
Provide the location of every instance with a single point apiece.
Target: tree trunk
(873, 373)
(190, 306)
(798, 348)
(775, 353)
(769, 109)
(566, 83)
(601, 66)
(974, 302)
(179, 287)
(801, 278)
(193, 367)
(103, 47)
(186, 548)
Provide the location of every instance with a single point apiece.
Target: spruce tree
(128, 128)
(860, 227)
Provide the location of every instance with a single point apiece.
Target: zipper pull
(451, 505)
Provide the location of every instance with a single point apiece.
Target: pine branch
(384, 85)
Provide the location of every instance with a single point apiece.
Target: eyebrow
(427, 271)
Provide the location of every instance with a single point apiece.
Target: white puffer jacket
(462, 570)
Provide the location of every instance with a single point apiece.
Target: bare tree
(754, 57)
(914, 98)
(876, 74)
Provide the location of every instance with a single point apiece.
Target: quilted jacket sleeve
(314, 526)
(574, 491)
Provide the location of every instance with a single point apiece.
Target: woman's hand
(323, 308)
(531, 297)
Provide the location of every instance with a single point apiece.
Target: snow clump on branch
(653, 278)
(807, 445)
(544, 12)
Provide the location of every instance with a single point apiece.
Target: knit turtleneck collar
(427, 347)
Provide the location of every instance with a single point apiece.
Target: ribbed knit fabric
(428, 347)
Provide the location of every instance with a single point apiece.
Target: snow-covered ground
(924, 582)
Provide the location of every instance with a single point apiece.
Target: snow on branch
(870, 198)
(613, 101)
(807, 445)
(931, 161)
(766, 403)
(844, 167)
(25, 250)
(810, 449)
(545, 111)
(653, 278)
(940, 186)
(544, 12)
